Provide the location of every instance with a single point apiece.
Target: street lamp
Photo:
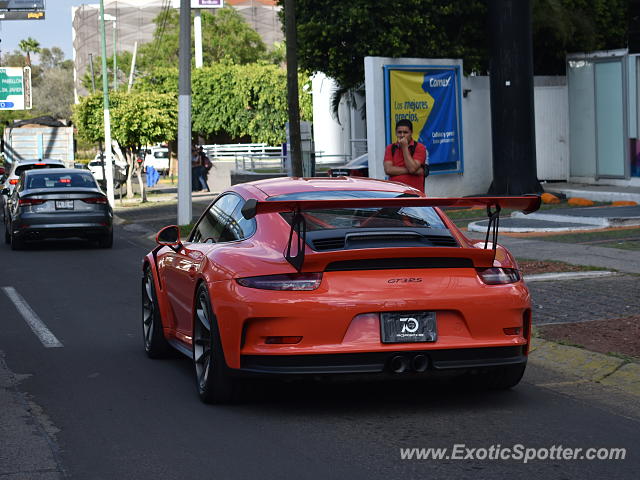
(112, 18)
(107, 116)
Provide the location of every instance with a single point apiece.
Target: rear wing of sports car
(526, 204)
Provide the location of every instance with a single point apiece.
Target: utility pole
(93, 90)
(133, 66)
(107, 117)
(115, 56)
(512, 110)
(292, 87)
(197, 34)
(184, 117)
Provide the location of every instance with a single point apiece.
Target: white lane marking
(45, 336)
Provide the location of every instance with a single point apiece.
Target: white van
(158, 158)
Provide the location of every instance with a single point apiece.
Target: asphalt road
(97, 408)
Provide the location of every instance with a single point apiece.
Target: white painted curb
(546, 277)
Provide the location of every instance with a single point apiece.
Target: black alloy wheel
(155, 345)
(214, 385)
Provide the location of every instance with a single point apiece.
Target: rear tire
(7, 236)
(16, 243)
(499, 378)
(213, 383)
(106, 241)
(155, 345)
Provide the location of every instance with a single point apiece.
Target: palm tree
(27, 46)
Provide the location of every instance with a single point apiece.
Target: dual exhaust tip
(401, 363)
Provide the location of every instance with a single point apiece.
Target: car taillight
(287, 281)
(13, 181)
(94, 200)
(498, 276)
(30, 201)
(356, 173)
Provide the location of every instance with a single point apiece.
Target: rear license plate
(340, 173)
(403, 327)
(64, 204)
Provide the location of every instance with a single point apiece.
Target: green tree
(123, 61)
(236, 100)
(138, 118)
(334, 37)
(51, 81)
(28, 46)
(225, 34)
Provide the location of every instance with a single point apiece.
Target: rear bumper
(73, 230)
(380, 362)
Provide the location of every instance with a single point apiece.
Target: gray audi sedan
(58, 203)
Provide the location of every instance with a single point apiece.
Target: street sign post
(15, 88)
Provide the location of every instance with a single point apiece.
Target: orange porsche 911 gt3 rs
(331, 276)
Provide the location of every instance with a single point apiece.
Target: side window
(211, 227)
(244, 228)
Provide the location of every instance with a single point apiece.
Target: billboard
(22, 10)
(15, 88)
(21, 15)
(430, 97)
(200, 3)
(21, 4)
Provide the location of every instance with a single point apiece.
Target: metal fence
(262, 158)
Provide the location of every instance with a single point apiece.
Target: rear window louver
(335, 243)
(338, 243)
(442, 241)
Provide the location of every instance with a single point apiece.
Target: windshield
(60, 180)
(374, 217)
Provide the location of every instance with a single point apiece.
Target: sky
(53, 31)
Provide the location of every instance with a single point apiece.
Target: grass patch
(533, 267)
(185, 230)
(463, 216)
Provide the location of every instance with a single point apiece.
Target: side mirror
(169, 237)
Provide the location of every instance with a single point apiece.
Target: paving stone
(567, 301)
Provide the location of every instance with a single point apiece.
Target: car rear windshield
(60, 180)
(373, 217)
(35, 166)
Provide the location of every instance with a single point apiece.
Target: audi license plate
(402, 327)
(340, 173)
(64, 204)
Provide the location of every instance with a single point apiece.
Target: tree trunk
(512, 108)
(143, 192)
(295, 148)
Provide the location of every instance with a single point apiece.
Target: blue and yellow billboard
(429, 96)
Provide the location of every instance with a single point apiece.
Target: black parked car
(358, 167)
(57, 203)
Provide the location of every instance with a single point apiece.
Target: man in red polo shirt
(404, 161)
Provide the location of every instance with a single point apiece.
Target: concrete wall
(476, 129)
(551, 117)
(333, 137)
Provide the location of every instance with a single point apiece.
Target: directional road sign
(15, 88)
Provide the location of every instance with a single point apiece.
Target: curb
(587, 365)
(545, 277)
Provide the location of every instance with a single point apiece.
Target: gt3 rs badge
(405, 280)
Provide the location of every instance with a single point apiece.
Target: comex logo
(439, 82)
(409, 325)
